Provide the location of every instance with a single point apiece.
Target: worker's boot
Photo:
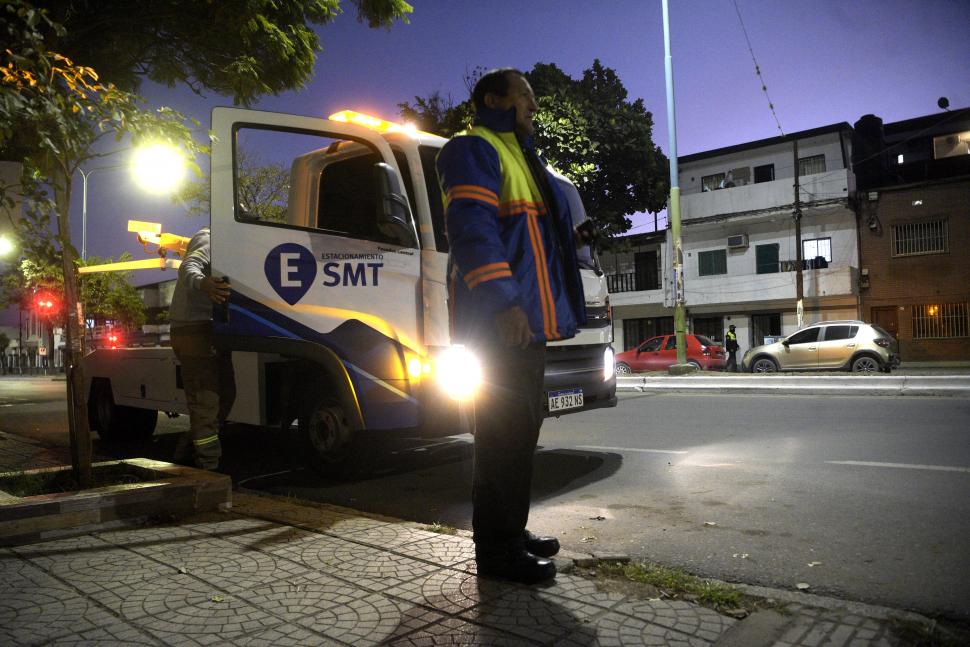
(541, 546)
(513, 562)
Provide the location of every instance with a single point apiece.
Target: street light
(6, 246)
(157, 168)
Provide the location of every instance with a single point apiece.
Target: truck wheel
(116, 423)
(326, 440)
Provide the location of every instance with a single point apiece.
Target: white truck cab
(338, 317)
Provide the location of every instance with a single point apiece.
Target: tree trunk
(77, 414)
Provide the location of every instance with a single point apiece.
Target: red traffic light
(45, 303)
(113, 338)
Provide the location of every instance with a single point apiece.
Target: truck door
(297, 226)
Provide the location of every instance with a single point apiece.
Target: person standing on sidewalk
(515, 284)
(731, 344)
(207, 373)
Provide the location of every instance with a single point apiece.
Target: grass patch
(441, 529)
(914, 633)
(675, 583)
(37, 483)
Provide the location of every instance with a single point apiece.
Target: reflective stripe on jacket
(508, 247)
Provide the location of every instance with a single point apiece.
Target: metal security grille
(918, 238)
(941, 320)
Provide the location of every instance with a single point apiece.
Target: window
(815, 247)
(337, 174)
(939, 321)
(636, 330)
(713, 262)
(807, 336)
(811, 165)
(833, 333)
(766, 258)
(428, 156)
(765, 326)
(646, 274)
(711, 182)
(764, 173)
(952, 145)
(919, 238)
(712, 327)
(671, 343)
(651, 345)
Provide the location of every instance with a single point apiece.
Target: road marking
(633, 449)
(905, 466)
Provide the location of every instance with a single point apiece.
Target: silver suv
(830, 345)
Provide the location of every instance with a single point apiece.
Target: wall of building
(902, 282)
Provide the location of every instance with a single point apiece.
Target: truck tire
(115, 423)
(326, 441)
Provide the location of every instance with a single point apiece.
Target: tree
(263, 189)
(238, 49)
(53, 116)
(589, 131)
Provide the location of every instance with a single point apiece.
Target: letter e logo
(291, 269)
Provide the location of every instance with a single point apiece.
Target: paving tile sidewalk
(283, 572)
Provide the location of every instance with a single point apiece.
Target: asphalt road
(862, 498)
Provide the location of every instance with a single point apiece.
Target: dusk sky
(824, 62)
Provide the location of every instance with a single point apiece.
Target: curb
(940, 386)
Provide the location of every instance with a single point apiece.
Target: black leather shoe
(516, 564)
(541, 546)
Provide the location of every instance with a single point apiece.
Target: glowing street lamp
(158, 167)
(6, 246)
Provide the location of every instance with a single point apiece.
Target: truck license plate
(565, 399)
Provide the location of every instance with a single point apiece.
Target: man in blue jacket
(515, 284)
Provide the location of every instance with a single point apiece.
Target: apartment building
(740, 248)
(914, 182)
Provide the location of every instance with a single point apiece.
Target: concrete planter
(168, 490)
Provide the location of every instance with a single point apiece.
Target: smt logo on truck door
(291, 269)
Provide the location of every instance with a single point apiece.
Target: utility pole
(797, 217)
(680, 319)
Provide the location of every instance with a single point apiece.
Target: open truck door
(311, 224)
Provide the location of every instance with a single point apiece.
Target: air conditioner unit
(738, 241)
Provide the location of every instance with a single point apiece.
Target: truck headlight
(459, 373)
(608, 364)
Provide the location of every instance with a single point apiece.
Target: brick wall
(902, 282)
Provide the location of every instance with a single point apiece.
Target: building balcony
(766, 196)
(631, 288)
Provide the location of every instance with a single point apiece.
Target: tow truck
(338, 319)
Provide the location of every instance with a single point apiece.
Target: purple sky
(824, 62)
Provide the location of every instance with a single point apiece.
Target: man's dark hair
(494, 81)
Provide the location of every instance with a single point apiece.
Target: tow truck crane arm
(148, 234)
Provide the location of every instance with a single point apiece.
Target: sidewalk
(285, 572)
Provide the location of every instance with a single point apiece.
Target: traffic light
(46, 304)
(113, 339)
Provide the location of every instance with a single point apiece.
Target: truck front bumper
(578, 367)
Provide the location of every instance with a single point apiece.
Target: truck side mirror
(394, 217)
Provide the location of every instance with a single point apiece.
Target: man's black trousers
(508, 415)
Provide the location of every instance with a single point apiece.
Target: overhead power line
(757, 69)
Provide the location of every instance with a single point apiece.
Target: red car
(657, 353)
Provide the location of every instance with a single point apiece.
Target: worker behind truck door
(207, 373)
